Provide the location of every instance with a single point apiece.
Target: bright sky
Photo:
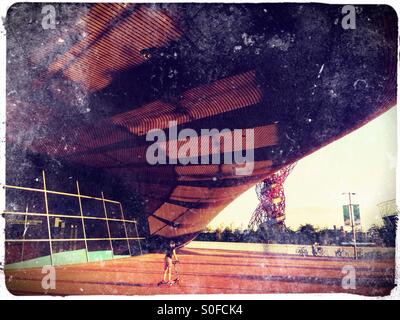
(363, 162)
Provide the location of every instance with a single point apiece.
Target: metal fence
(93, 225)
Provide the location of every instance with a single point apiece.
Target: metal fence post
(126, 233)
(138, 238)
(83, 221)
(23, 235)
(47, 216)
(108, 227)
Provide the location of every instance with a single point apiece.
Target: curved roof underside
(89, 90)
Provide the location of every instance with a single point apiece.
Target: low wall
(65, 258)
(289, 248)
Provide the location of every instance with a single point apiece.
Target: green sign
(346, 215)
(356, 215)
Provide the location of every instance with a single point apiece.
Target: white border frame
(6, 295)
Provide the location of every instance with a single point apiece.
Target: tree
(307, 233)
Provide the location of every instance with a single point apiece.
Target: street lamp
(352, 222)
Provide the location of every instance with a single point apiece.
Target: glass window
(22, 251)
(120, 247)
(25, 201)
(67, 245)
(131, 229)
(117, 229)
(66, 228)
(92, 208)
(113, 210)
(65, 205)
(96, 229)
(99, 245)
(135, 247)
(26, 227)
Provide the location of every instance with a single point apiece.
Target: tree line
(306, 234)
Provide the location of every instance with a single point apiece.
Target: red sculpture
(270, 192)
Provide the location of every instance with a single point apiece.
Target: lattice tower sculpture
(270, 192)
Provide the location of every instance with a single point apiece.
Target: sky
(363, 162)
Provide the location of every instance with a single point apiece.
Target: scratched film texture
(81, 97)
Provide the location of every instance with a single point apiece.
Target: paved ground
(211, 271)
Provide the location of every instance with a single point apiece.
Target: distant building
(389, 212)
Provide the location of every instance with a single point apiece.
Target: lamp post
(352, 222)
